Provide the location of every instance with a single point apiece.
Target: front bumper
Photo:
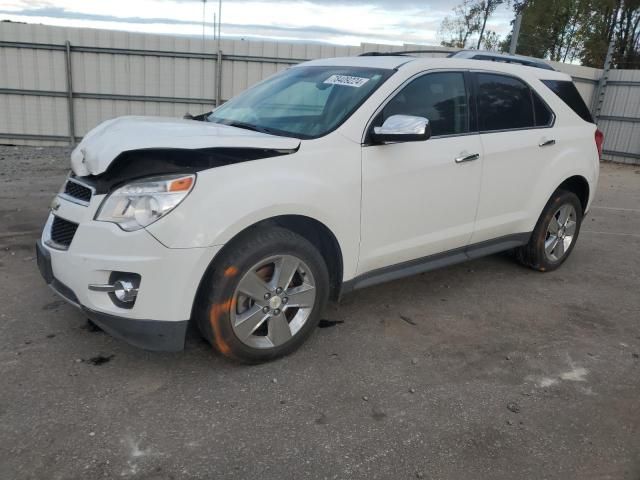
(169, 281)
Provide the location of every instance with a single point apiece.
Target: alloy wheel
(273, 301)
(560, 232)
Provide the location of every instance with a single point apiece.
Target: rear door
(518, 142)
(419, 198)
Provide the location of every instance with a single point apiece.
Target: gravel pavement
(485, 370)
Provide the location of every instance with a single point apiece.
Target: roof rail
(398, 53)
(502, 57)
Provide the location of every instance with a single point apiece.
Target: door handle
(547, 143)
(468, 158)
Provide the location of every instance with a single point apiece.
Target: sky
(344, 22)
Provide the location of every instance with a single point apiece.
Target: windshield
(302, 102)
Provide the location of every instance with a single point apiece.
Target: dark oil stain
(100, 359)
(329, 323)
(378, 415)
(322, 419)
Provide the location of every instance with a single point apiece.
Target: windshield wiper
(248, 126)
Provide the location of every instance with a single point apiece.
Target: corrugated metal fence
(58, 83)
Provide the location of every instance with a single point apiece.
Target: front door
(419, 198)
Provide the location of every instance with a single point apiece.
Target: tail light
(599, 142)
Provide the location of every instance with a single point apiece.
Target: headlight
(140, 203)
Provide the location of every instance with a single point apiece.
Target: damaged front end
(96, 251)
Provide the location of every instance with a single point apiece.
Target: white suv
(330, 176)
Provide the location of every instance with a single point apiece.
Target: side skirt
(433, 262)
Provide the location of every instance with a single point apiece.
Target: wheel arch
(311, 229)
(580, 186)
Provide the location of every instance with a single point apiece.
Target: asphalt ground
(485, 370)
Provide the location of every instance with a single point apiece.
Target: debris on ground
(329, 323)
(514, 407)
(412, 390)
(365, 398)
(100, 359)
(414, 361)
(409, 320)
(51, 335)
(53, 305)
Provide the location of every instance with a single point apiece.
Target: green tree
(484, 9)
(550, 28)
(570, 30)
(456, 30)
(492, 42)
(613, 19)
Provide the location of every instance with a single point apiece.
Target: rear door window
(569, 94)
(504, 103)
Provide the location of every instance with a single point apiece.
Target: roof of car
(406, 61)
(381, 61)
(502, 57)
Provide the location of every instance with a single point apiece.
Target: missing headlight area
(137, 164)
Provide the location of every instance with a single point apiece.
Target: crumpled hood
(104, 143)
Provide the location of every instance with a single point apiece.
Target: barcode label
(346, 81)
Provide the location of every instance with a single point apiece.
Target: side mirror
(402, 128)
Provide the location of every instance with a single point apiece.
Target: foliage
(560, 30)
(492, 42)
(470, 18)
(572, 30)
(484, 9)
(457, 29)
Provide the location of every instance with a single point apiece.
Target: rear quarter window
(569, 94)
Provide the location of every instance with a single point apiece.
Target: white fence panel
(122, 73)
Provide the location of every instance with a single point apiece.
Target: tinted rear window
(504, 103)
(569, 94)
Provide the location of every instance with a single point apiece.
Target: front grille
(62, 231)
(77, 191)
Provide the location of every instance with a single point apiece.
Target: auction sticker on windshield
(346, 80)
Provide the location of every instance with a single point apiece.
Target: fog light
(122, 288)
(125, 291)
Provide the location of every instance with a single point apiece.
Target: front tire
(264, 296)
(555, 234)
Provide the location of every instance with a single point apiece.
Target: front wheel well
(314, 231)
(322, 238)
(578, 185)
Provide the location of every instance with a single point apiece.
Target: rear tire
(264, 296)
(555, 234)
